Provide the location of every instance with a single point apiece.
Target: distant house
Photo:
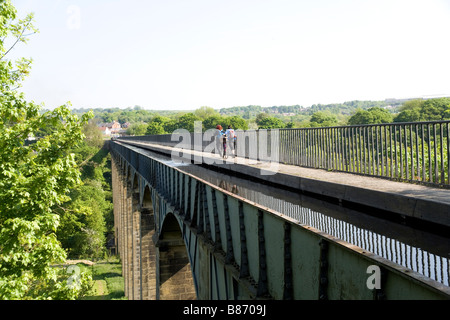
(105, 130)
(115, 127)
(110, 128)
(126, 125)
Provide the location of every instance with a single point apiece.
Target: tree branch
(17, 40)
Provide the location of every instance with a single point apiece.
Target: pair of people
(224, 139)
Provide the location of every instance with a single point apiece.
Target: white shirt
(230, 133)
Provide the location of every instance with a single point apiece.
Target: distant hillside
(295, 113)
(346, 108)
(249, 112)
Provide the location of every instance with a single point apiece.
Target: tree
(160, 125)
(360, 117)
(155, 128)
(323, 119)
(205, 112)
(137, 129)
(380, 115)
(408, 115)
(410, 111)
(83, 220)
(34, 178)
(290, 125)
(107, 117)
(236, 123)
(270, 123)
(212, 121)
(374, 115)
(187, 120)
(424, 110)
(93, 135)
(435, 109)
(82, 229)
(260, 117)
(415, 104)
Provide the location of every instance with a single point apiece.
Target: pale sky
(184, 54)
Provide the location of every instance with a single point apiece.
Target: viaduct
(180, 238)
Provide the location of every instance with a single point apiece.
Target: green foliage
(93, 136)
(137, 129)
(131, 115)
(408, 115)
(155, 128)
(69, 284)
(435, 109)
(323, 119)
(235, 122)
(208, 116)
(415, 104)
(206, 112)
(12, 73)
(424, 164)
(34, 178)
(187, 121)
(424, 110)
(161, 125)
(261, 116)
(108, 273)
(374, 115)
(246, 112)
(82, 230)
(410, 111)
(347, 108)
(84, 218)
(212, 121)
(270, 123)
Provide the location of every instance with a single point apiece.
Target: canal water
(422, 251)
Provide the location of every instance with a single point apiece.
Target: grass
(108, 280)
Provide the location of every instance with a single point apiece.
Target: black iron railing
(416, 152)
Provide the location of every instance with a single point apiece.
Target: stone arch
(134, 180)
(176, 281)
(147, 201)
(171, 229)
(148, 250)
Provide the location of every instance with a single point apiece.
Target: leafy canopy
(34, 178)
(374, 115)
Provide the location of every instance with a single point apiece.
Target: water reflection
(432, 265)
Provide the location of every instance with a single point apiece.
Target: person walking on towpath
(218, 136)
(231, 136)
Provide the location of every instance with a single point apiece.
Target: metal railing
(414, 152)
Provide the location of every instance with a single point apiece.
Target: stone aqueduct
(182, 238)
